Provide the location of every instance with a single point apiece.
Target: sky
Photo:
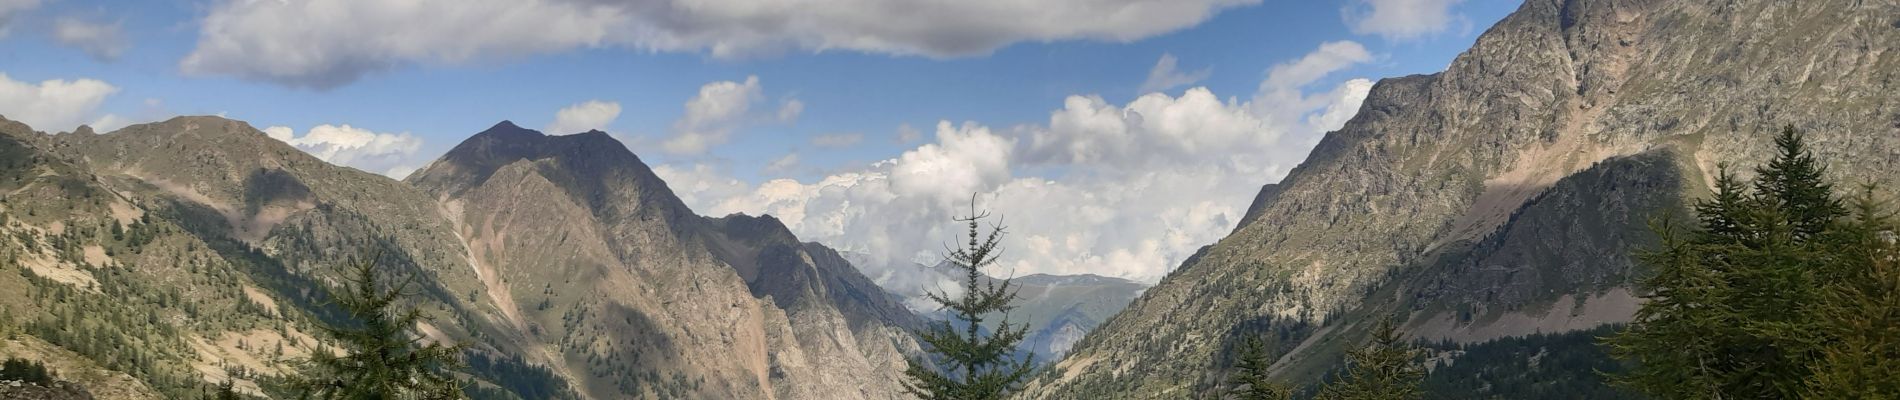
(1110, 137)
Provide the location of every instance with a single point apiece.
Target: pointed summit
(593, 168)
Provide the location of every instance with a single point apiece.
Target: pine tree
(1253, 381)
(385, 359)
(1685, 324)
(1794, 183)
(1726, 216)
(974, 365)
(1732, 306)
(1862, 310)
(1386, 369)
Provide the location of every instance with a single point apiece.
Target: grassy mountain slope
(568, 266)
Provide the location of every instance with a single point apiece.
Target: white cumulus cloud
(54, 105)
(391, 154)
(102, 41)
(329, 43)
(583, 116)
(1165, 75)
(721, 109)
(1401, 19)
(1140, 186)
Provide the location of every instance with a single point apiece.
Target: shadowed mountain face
(569, 267)
(1502, 197)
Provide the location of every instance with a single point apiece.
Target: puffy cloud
(391, 154)
(53, 105)
(1164, 76)
(702, 185)
(325, 44)
(102, 41)
(720, 109)
(1344, 104)
(583, 116)
(1401, 19)
(1282, 98)
(965, 159)
(837, 140)
(1128, 190)
(1152, 130)
(329, 43)
(11, 8)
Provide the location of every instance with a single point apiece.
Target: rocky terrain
(570, 269)
(1501, 197)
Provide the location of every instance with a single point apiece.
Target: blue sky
(412, 81)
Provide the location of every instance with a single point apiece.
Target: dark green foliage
(1387, 368)
(18, 369)
(975, 365)
(517, 377)
(1861, 312)
(384, 359)
(1793, 185)
(1770, 294)
(1252, 378)
(1542, 366)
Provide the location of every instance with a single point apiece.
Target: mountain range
(1496, 203)
(563, 256)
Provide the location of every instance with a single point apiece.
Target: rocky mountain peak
(592, 167)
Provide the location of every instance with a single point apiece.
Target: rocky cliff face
(1500, 197)
(563, 260)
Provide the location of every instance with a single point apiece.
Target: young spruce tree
(1386, 369)
(974, 366)
(385, 359)
(1253, 380)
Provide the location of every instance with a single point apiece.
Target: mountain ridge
(1433, 165)
(561, 256)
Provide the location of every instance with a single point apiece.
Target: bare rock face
(1501, 196)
